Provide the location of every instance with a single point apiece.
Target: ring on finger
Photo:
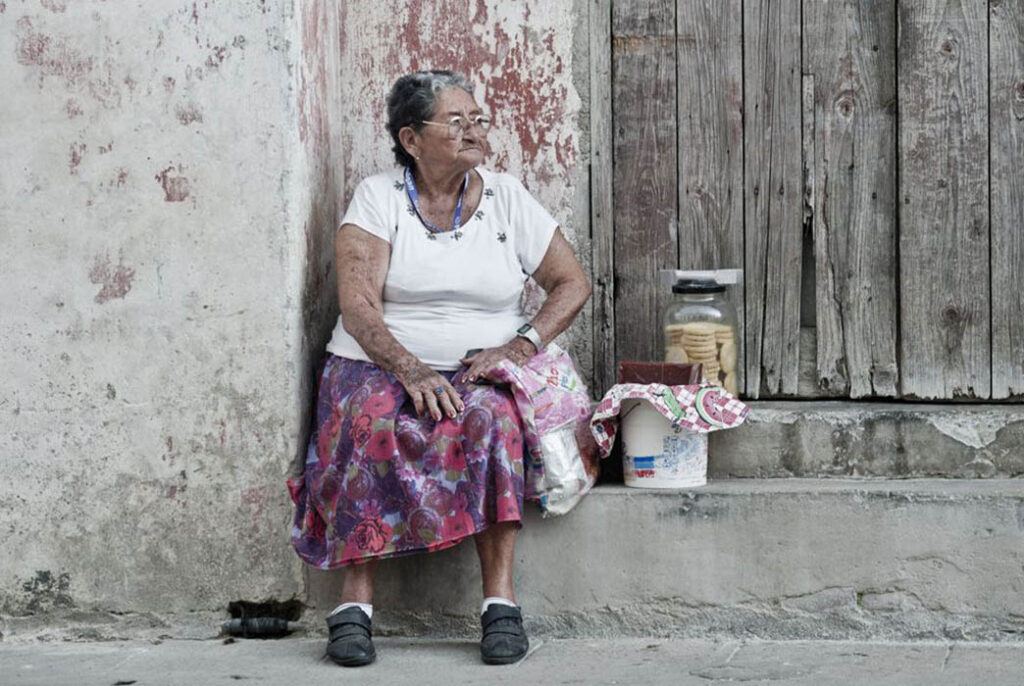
(439, 391)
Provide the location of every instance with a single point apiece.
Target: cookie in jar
(700, 325)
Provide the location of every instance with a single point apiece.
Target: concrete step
(838, 438)
(765, 558)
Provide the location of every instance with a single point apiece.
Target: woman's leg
(504, 640)
(495, 546)
(351, 639)
(358, 584)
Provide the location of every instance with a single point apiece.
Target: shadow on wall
(317, 107)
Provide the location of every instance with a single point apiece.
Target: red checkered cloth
(700, 408)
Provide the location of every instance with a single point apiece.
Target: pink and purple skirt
(381, 482)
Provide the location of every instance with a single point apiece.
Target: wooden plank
(944, 218)
(1006, 119)
(710, 88)
(808, 382)
(601, 209)
(773, 195)
(644, 178)
(849, 53)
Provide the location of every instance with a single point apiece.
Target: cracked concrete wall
(841, 438)
(165, 170)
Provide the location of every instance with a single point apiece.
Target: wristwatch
(529, 333)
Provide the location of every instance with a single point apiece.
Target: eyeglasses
(458, 126)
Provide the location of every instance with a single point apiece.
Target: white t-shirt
(449, 292)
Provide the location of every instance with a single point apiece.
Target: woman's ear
(407, 137)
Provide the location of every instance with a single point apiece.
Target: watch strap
(529, 333)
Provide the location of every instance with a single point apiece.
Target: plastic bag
(560, 456)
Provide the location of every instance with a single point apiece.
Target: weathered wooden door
(859, 159)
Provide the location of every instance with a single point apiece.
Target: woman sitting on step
(412, 450)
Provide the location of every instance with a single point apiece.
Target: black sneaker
(350, 643)
(504, 638)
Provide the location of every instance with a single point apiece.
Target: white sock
(365, 607)
(495, 600)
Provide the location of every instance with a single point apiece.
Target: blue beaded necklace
(414, 198)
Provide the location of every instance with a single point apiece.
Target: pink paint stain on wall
(114, 280)
(170, 453)
(176, 187)
(106, 92)
(188, 114)
(312, 92)
(217, 57)
(56, 56)
(519, 93)
(449, 43)
(255, 499)
(75, 153)
(53, 57)
(518, 64)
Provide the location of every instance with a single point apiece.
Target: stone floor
(425, 662)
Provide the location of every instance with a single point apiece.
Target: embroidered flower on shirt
(489, 192)
(399, 186)
(457, 235)
(502, 237)
(479, 214)
(431, 236)
(411, 210)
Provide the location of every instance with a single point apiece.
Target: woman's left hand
(517, 351)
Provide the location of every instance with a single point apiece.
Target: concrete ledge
(862, 559)
(794, 558)
(839, 438)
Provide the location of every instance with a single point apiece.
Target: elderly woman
(413, 449)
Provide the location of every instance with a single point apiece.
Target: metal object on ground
(257, 627)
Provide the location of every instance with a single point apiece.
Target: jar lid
(697, 286)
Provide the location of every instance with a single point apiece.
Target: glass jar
(700, 325)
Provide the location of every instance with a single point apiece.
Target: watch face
(524, 329)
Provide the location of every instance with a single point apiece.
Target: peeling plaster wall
(154, 191)
(529, 62)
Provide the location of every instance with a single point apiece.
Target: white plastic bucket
(656, 454)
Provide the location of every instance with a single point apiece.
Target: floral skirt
(380, 482)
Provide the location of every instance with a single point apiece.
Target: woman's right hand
(431, 393)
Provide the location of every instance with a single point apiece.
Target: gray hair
(412, 100)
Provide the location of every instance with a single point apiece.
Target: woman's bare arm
(562, 277)
(362, 261)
